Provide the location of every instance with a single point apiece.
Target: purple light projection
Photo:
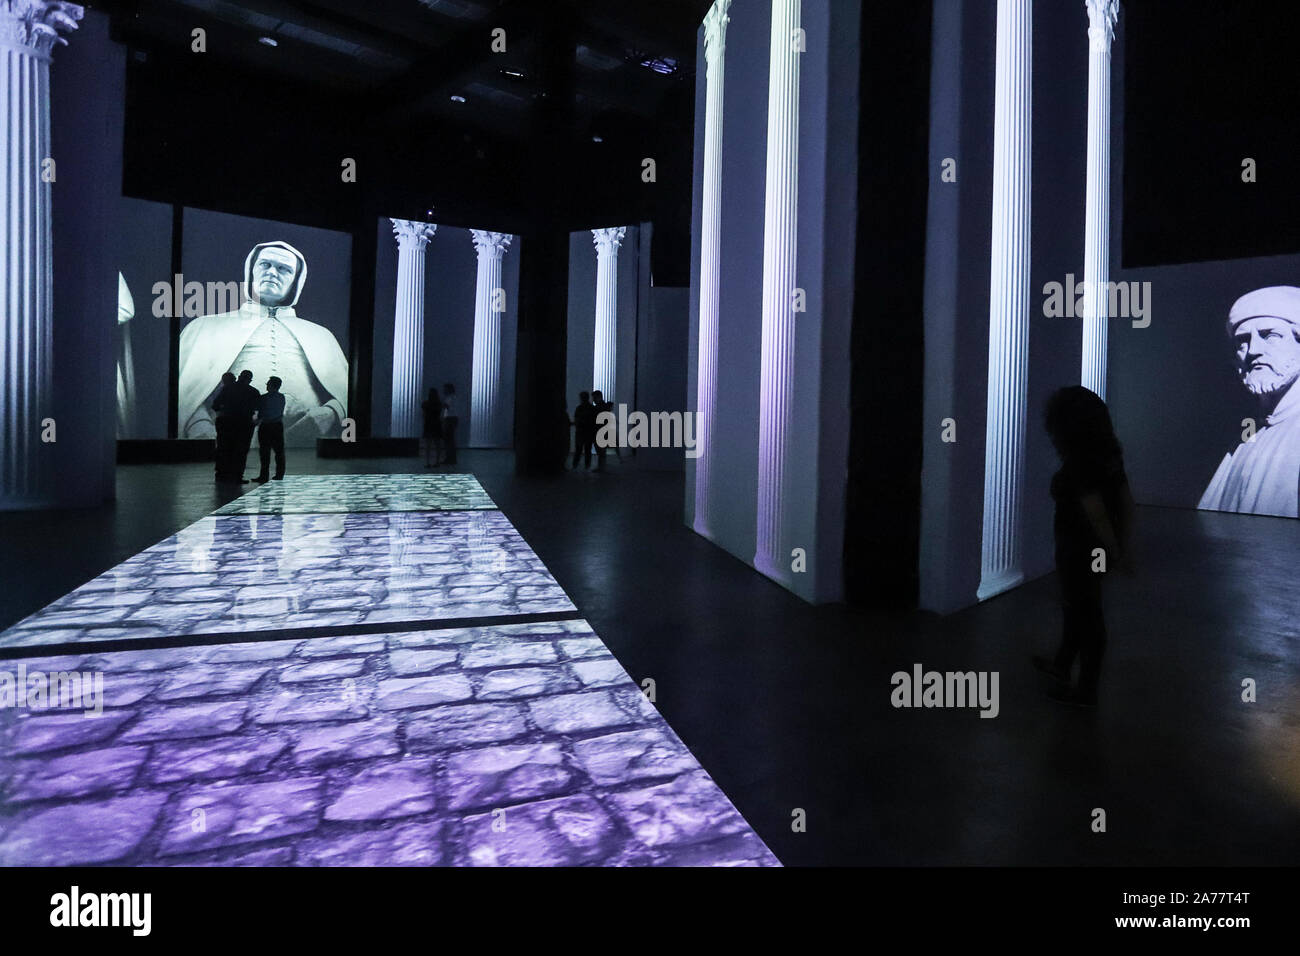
(511, 743)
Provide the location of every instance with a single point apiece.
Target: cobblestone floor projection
(238, 573)
(505, 743)
(325, 494)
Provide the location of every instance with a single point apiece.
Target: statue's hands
(324, 418)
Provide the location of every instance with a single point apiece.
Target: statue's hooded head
(1265, 327)
(274, 274)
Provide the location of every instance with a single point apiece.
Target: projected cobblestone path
(498, 744)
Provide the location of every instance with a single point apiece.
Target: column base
(780, 573)
(994, 585)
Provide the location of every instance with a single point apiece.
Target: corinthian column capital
(35, 24)
(608, 240)
(490, 243)
(411, 234)
(715, 30)
(1101, 23)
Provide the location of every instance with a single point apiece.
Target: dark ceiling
(1206, 85)
(554, 127)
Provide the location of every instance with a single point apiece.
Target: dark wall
(882, 529)
(86, 90)
(1206, 85)
(142, 247)
(661, 359)
(541, 419)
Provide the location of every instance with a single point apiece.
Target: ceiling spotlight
(268, 41)
(457, 98)
(660, 64)
(598, 139)
(513, 73)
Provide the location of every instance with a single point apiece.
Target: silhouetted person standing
(449, 422)
(432, 407)
(584, 429)
(1093, 524)
(270, 429)
(243, 402)
(599, 404)
(226, 426)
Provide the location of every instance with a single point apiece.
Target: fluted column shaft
(706, 379)
(1004, 440)
(28, 33)
(1096, 238)
(780, 234)
(604, 376)
(408, 326)
(485, 427)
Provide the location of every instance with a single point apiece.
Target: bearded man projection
(266, 337)
(1262, 476)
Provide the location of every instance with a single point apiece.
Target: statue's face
(1268, 355)
(273, 273)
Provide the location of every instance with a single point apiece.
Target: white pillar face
(486, 426)
(1004, 440)
(408, 327)
(1096, 240)
(780, 235)
(28, 32)
(706, 379)
(604, 378)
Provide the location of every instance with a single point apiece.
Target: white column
(408, 326)
(485, 425)
(1096, 232)
(780, 234)
(28, 33)
(605, 371)
(1004, 438)
(706, 379)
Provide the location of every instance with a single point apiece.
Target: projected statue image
(266, 337)
(125, 361)
(1262, 476)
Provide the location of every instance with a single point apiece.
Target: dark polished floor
(788, 706)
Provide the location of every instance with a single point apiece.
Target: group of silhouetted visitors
(585, 429)
(440, 421)
(239, 409)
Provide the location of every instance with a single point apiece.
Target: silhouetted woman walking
(450, 419)
(1093, 523)
(432, 408)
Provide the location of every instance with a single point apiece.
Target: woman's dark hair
(1080, 426)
